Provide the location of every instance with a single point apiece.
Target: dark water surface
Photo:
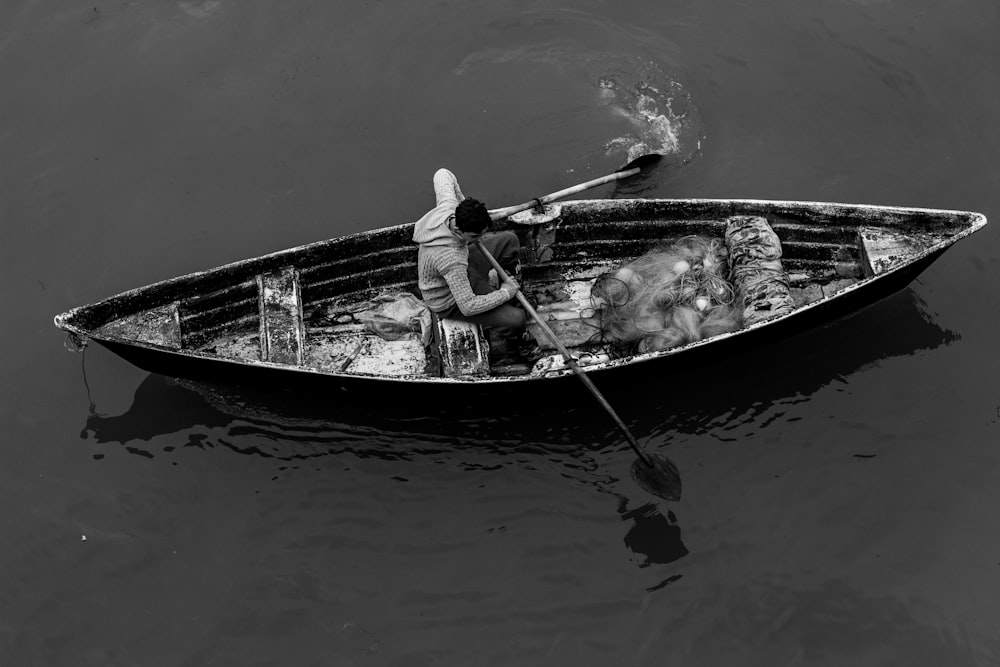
(840, 510)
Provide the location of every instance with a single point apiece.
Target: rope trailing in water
(75, 343)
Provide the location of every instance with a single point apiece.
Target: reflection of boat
(279, 427)
(261, 321)
(289, 433)
(310, 427)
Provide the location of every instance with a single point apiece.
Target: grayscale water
(841, 509)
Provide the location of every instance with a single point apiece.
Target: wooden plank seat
(282, 334)
(158, 326)
(884, 250)
(463, 348)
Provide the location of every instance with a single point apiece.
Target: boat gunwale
(976, 221)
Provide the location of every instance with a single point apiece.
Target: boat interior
(312, 307)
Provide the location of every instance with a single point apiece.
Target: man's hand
(511, 285)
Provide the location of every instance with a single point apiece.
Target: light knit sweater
(443, 256)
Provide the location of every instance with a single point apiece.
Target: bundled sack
(755, 270)
(398, 315)
(391, 316)
(667, 297)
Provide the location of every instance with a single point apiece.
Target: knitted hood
(434, 229)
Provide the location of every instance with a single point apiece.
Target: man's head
(472, 218)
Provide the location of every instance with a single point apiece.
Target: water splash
(643, 108)
(659, 109)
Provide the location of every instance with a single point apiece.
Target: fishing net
(667, 297)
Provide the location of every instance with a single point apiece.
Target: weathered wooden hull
(180, 319)
(345, 385)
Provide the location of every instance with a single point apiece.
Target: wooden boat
(296, 319)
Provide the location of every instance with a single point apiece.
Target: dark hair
(471, 216)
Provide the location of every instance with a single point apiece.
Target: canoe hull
(180, 327)
(418, 391)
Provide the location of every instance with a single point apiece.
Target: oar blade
(659, 477)
(642, 162)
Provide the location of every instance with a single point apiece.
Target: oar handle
(501, 213)
(570, 361)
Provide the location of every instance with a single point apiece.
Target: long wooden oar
(630, 169)
(657, 474)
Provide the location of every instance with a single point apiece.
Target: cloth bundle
(397, 315)
(755, 269)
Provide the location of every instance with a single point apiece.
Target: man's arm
(470, 303)
(446, 190)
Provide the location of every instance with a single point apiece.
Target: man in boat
(455, 278)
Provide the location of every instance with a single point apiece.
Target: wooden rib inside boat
(305, 309)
